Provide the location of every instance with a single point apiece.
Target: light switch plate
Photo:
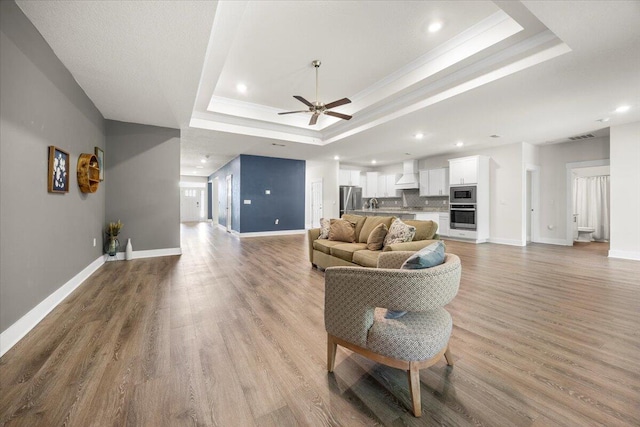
(247, 202)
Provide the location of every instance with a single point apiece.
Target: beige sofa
(325, 253)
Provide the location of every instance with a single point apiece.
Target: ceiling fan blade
(314, 119)
(339, 115)
(337, 103)
(304, 101)
(291, 112)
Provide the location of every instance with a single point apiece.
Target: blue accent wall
(252, 177)
(285, 179)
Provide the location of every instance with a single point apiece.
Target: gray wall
(45, 238)
(142, 172)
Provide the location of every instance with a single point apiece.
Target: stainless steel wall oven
(462, 217)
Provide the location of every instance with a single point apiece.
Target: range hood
(409, 179)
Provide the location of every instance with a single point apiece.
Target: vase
(112, 246)
(128, 251)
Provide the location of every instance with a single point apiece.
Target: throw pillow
(429, 256)
(399, 232)
(376, 238)
(325, 224)
(342, 231)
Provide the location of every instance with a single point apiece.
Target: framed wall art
(58, 179)
(100, 156)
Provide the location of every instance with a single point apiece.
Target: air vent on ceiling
(585, 136)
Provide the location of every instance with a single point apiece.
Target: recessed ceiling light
(199, 167)
(459, 144)
(623, 109)
(241, 87)
(435, 27)
(194, 172)
(203, 160)
(275, 144)
(336, 157)
(373, 162)
(604, 119)
(419, 135)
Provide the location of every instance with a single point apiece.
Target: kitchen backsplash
(412, 199)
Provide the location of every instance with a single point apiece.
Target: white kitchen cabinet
(443, 225)
(349, 177)
(429, 216)
(387, 186)
(434, 182)
(464, 170)
(424, 182)
(438, 182)
(371, 189)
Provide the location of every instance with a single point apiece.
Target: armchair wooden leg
(331, 353)
(414, 386)
(448, 357)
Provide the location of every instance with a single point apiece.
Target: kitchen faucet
(373, 203)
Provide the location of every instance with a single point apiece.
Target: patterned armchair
(354, 314)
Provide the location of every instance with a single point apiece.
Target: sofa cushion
(325, 224)
(376, 237)
(366, 258)
(358, 220)
(425, 230)
(345, 251)
(427, 257)
(342, 230)
(399, 232)
(325, 245)
(371, 223)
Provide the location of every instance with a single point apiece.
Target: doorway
(588, 202)
(316, 203)
(215, 202)
(229, 200)
(531, 222)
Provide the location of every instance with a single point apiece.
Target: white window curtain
(591, 203)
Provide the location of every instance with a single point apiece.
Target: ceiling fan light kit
(318, 107)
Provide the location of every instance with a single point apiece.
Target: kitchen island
(437, 215)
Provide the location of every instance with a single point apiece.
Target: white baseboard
(548, 241)
(152, 253)
(19, 329)
(272, 233)
(222, 227)
(633, 255)
(510, 242)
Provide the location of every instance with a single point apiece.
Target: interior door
(229, 199)
(316, 203)
(190, 204)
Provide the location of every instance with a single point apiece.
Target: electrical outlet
(444, 202)
(426, 202)
(94, 242)
(277, 221)
(396, 202)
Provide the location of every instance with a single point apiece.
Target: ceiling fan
(318, 107)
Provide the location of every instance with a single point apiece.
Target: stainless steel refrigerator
(350, 198)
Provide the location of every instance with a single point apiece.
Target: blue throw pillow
(429, 256)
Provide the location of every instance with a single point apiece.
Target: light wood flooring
(231, 334)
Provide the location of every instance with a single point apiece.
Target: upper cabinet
(464, 170)
(434, 182)
(387, 186)
(349, 177)
(371, 189)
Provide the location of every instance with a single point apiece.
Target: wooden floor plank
(232, 333)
